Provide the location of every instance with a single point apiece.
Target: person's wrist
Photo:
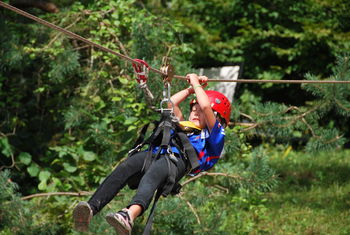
(190, 90)
(196, 86)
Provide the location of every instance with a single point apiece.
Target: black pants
(131, 170)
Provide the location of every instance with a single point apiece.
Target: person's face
(197, 116)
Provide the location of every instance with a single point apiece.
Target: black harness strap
(167, 133)
(168, 187)
(189, 150)
(148, 227)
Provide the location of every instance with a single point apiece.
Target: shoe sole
(82, 216)
(119, 228)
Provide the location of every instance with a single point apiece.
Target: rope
(105, 49)
(279, 81)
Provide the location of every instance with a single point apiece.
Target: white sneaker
(82, 215)
(121, 222)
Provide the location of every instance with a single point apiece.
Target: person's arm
(177, 99)
(202, 98)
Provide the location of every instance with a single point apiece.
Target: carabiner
(166, 98)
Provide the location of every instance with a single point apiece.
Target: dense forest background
(69, 112)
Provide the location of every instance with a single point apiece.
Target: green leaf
(25, 158)
(44, 175)
(131, 120)
(33, 169)
(39, 90)
(123, 80)
(69, 167)
(42, 185)
(5, 147)
(89, 156)
(130, 128)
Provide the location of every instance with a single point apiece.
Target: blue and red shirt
(209, 146)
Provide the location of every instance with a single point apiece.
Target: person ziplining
(176, 147)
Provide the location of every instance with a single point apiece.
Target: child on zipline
(210, 113)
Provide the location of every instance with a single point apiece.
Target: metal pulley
(167, 69)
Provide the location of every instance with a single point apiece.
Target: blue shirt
(208, 146)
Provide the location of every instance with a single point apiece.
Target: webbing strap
(190, 151)
(148, 227)
(142, 135)
(165, 189)
(166, 134)
(140, 141)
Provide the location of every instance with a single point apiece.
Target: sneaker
(82, 215)
(121, 222)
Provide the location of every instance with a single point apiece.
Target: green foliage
(17, 216)
(312, 196)
(70, 113)
(270, 39)
(335, 97)
(6, 148)
(310, 124)
(83, 105)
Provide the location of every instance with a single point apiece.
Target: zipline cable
(105, 49)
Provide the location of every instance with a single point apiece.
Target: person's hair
(220, 119)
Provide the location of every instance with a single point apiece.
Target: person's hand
(203, 81)
(194, 80)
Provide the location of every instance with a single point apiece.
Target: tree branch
(191, 208)
(43, 5)
(60, 34)
(237, 177)
(78, 194)
(12, 164)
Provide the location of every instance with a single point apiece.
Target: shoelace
(125, 216)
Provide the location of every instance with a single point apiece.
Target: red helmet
(219, 103)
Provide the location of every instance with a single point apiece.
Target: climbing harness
(165, 71)
(166, 135)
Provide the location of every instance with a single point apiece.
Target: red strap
(141, 69)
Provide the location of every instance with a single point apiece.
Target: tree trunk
(43, 5)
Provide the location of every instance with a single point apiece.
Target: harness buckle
(136, 149)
